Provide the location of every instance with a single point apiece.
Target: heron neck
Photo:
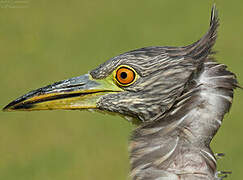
(177, 144)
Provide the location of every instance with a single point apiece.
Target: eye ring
(125, 75)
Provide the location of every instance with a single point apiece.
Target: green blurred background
(46, 41)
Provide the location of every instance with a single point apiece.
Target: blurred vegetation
(54, 40)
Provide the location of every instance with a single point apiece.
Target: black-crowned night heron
(177, 95)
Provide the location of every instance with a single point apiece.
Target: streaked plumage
(178, 101)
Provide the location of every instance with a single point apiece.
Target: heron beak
(81, 92)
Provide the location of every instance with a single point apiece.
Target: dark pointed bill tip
(14, 104)
(11, 106)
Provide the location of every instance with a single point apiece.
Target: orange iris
(125, 76)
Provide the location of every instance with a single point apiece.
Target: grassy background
(54, 40)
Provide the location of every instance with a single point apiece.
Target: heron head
(150, 81)
(141, 84)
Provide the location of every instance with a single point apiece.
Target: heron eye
(125, 76)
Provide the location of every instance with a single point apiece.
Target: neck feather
(177, 144)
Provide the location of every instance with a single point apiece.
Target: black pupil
(123, 75)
